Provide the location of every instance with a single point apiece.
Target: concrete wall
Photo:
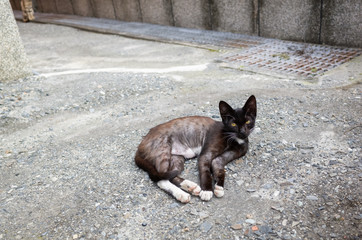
(13, 61)
(342, 22)
(103, 9)
(48, 6)
(64, 6)
(157, 12)
(290, 19)
(238, 16)
(334, 22)
(128, 10)
(83, 8)
(198, 16)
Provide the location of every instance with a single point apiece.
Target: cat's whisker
(230, 137)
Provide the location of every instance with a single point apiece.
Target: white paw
(206, 195)
(182, 197)
(218, 191)
(196, 191)
(191, 187)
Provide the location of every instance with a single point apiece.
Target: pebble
(250, 221)
(265, 229)
(267, 186)
(251, 190)
(175, 230)
(280, 209)
(294, 223)
(333, 162)
(205, 227)
(194, 212)
(286, 237)
(255, 228)
(312, 198)
(333, 235)
(284, 222)
(203, 215)
(236, 226)
(174, 205)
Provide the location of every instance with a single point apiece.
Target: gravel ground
(68, 142)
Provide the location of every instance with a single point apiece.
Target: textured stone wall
(342, 23)
(290, 19)
(334, 22)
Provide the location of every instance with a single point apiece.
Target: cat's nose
(242, 135)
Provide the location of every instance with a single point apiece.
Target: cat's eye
(247, 122)
(233, 124)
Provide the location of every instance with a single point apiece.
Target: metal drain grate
(292, 58)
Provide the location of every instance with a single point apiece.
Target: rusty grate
(291, 57)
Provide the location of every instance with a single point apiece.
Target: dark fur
(159, 153)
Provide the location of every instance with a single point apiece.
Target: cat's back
(184, 124)
(192, 127)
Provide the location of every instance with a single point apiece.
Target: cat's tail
(155, 176)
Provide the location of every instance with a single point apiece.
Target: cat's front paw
(218, 191)
(206, 195)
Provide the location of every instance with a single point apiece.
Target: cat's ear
(250, 106)
(225, 110)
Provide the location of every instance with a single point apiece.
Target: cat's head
(239, 122)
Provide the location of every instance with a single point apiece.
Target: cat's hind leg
(187, 185)
(175, 191)
(177, 163)
(173, 186)
(191, 187)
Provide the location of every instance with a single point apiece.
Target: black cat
(164, 149)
